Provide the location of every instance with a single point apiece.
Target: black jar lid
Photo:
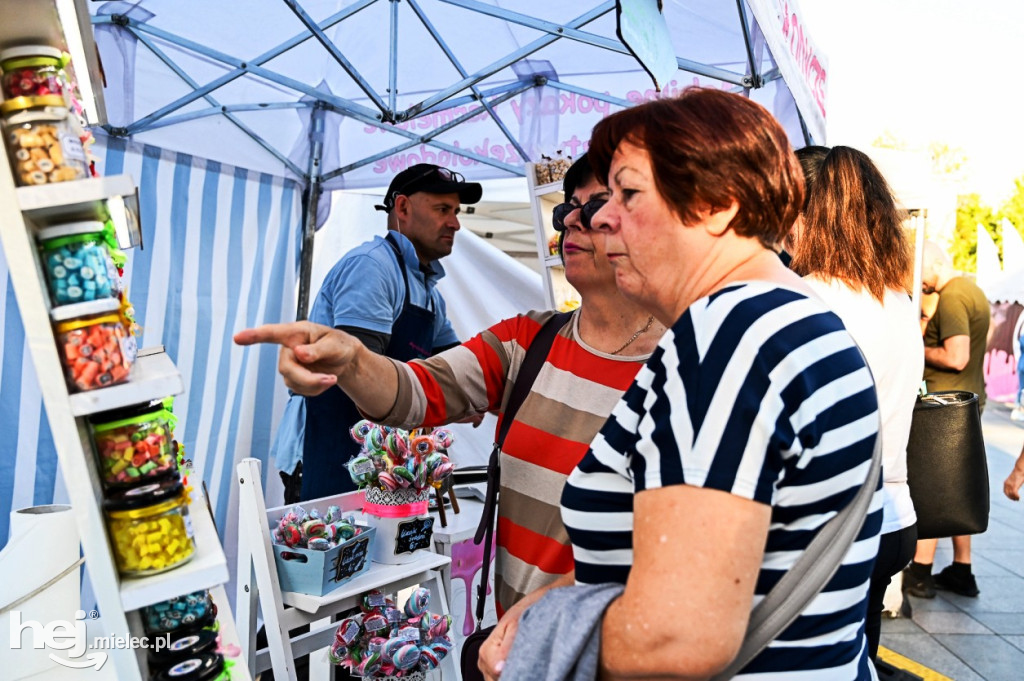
(123, 413)
(203, 667)
(144, 495)
(183, 646)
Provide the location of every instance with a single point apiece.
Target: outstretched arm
(314, 357)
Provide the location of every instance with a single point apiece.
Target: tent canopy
(348, 92)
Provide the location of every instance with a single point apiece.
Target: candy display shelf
(96, 198)
(23, 212)
(544, 197)
(207, 568)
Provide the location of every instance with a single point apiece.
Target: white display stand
(23, 211)
(462, 594)
(283, 611)
(543, 197)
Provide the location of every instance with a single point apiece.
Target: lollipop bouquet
(393, 459)
(384, 642)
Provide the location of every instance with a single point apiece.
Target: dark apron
(328, 445)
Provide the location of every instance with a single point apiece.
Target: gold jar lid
(23, 103)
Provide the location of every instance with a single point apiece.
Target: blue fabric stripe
(10, 409)
(256, 285)
(114, 162)
(46, 462)
(204, 291)
(235, 269)
(179, 231)
(142, 258)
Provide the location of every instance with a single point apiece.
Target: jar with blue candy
(80, 259)
(189, 612)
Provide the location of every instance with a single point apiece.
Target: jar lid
(22, 103)
(144, 495)
(183, 646)
(126, 413)
(29, 51)
(204, 667)
(71, 229)
(82, 322)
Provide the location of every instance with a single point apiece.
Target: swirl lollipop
(417, 603)
(422, 446)
(406, 657)
(360, 431)
(443, 438)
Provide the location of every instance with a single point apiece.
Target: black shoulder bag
(528, 370)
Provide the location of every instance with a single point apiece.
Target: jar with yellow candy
(150, 528)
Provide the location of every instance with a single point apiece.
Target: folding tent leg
(254, 537)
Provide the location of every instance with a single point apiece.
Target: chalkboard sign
(351, 559)
(414, 535)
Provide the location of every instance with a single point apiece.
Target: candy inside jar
(31, 71)
(150, 528)
(97, 351)
(79, 262)
(42, 145)
(182, 613)
(135, 446)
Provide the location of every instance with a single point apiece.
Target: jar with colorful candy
(97, 351)
(80, 260)
(182, 613)
(42, 145)
(31, 71)
(150, 528)
(135, 445)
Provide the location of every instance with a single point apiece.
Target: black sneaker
(957, 581)
(922, 587)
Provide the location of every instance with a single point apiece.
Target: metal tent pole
(311, 196)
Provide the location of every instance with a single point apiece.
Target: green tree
(971, 212)
(1013, 208)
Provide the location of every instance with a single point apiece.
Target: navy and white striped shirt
(759, 391)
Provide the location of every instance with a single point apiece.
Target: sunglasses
(587, 212)
(441, 173)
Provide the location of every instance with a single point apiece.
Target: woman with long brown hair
(852, 250)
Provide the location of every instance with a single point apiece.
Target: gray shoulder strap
(812, 571)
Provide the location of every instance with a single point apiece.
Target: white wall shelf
(543, 198)
(23, 211)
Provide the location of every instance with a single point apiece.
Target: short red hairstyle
(709, 148)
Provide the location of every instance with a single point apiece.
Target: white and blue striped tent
(220, 254)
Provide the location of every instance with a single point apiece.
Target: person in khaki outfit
(954, 354)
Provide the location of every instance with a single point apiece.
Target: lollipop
(443, 438)
(422, 446)
(439, 626)
(388, 481)
(417, 603)
(429, 659)
(390, 647)
(370, 664)
(347, 631)
(406, 657)
(339, 652)
(360, 431)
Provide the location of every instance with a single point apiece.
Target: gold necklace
(640, 332)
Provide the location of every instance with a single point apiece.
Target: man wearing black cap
(384, 293)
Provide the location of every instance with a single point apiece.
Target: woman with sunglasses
(593, 359)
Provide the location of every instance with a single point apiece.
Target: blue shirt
(758, 391)
(365, 290)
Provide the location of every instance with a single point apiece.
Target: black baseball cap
(426, 177)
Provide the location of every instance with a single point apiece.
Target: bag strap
(528, 370)
(812, 571)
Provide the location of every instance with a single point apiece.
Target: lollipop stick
(451, 495)
(440, 506)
